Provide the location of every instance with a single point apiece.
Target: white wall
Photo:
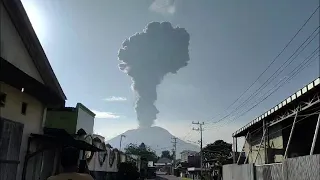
(85, 121)
(32, 120)
(12, 47)
(184, 157)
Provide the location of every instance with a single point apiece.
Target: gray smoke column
(147, 57)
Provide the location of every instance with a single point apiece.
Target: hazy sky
(231, 43)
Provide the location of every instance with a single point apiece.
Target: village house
(28, 87)
(186, 153)
(71, 119)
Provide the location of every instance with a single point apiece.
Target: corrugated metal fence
(301, 168)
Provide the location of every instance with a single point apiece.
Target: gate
(10, 142)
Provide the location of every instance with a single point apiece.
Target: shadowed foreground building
(28, 86)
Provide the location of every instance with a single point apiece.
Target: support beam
(234, 150)
(290, 137)
(236, 146)
(250, 149)
(260, 146)
(243, 147)
(265, 141)
(315, 136)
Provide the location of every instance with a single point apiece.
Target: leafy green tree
(219, 151)
(142, 150)
(127, 171)
(166, 154)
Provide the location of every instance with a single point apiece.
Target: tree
(142, 150)
(166, 154)
(127, 171)
(219, 152)
(142, 146)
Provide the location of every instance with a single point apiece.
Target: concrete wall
(12, 47)
(99, 161)
(300, 168)
(269, 172)
(85, 119)
(32, 120)
(238, 172)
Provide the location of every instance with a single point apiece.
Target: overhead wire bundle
(305, 63)
(252, 100)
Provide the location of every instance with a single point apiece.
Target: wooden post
(290, 137)
(315, 136)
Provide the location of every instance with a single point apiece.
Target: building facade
(186, 153)
(71, 119)
(28, 87)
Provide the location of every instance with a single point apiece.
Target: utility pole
(201, 154)
(121, 136)
(174, 143)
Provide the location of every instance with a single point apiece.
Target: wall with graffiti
(105, 161)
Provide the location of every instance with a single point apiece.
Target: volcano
(157, 138)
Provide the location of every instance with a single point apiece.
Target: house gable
(13, 49)
(31, 42)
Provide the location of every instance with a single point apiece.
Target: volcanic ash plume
(147, 57)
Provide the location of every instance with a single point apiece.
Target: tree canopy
(166, 154)
(142, 150)
(219, 151)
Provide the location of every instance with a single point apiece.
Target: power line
(299, 69)
(272, 62)
(274, 75)
(187, 135)
(305, 63)
(280, 69)
(174, 143)
(200, 129)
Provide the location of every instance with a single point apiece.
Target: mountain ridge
(157, 138)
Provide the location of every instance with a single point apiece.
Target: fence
(300, 168)
(10, 141)
(238, 172)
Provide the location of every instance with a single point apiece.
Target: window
(3, 98)
(24, 108)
